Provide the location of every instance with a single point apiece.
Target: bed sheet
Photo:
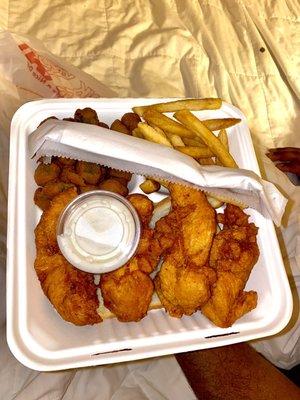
(245, 52)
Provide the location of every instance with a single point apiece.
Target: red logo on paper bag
(47, 72)
(37, 68)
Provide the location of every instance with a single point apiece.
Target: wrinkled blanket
(245, 52)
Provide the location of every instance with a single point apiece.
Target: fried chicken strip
(184, 281)
(127, 292)
(234, 252)
(71, 292)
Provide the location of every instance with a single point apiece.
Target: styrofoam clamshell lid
(42, 340)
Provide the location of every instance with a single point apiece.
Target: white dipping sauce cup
(98, 231)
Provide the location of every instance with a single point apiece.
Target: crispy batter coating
(115, 173)
(87, 188)
(127, 292)
(143, 206)
(45, 173)
(47, 119)
(130, 120)
(40, 199)
(69, 119)
(87, 116)
(182, 286)
(114, 185)
(69, 175)
(66, 161)
(184, 281)
(103, 124)
(46, 229)
(118, 126)
(233, 254)
(72, 292)
(52, 189)
(90, 172)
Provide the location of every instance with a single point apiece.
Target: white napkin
(116, 150)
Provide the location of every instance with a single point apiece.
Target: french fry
(187, 104)
(214, 144)
(225, 199)
(175, 140)
(137, 133)
(196, 152)
(161, 209)
(168, 125)
(215, 203)
(149, 186)
(206, 161)
(196, 141)
(223, 138)
(221, 123)
(159, 130)
(153, 135)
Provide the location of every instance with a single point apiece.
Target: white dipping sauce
(98, 232)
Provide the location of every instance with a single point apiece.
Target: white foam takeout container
(40, 339)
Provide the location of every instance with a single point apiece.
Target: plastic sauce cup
(98, 231)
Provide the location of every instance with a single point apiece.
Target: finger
(286, 155)
(282, 149)
(292, 167)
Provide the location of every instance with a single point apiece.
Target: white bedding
(246, 52)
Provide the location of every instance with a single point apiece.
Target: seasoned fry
(175, 140)
(215, 203)
(137, 133)
(206, 161)
(221, 123)
(223, 138)
(214, 144)
(168, 125)
(159, 130)
(153, 135)
(196, 152)
(118, 126)
(149, 186)
(225, 199)
(196, 141)
(161, 209)
(186, 104)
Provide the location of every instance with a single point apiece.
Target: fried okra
(113, 185)
(46, 173)
(90, 172)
